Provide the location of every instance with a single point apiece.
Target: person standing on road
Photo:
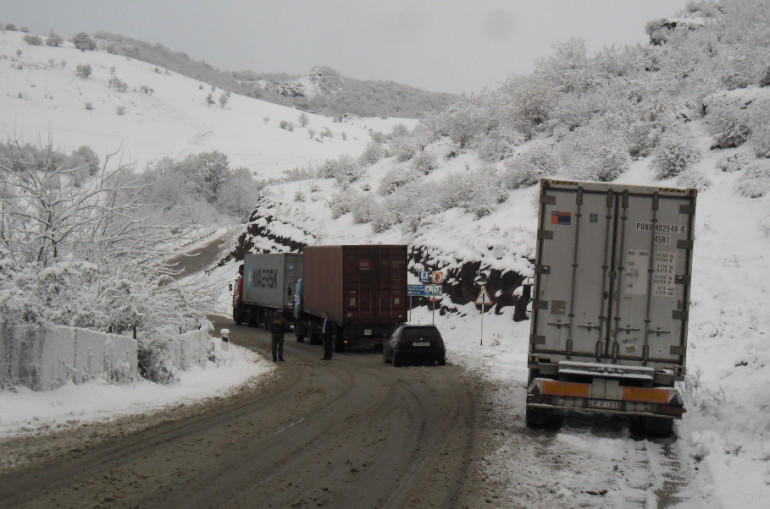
(278, 326)
(326, 337)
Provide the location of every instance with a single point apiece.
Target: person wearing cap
(278, 326)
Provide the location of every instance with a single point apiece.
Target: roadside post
(483, 300)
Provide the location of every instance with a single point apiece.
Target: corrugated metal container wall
(269, 279)
(357, 284)
(323, 280)
(613, 273)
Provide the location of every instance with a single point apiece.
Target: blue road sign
(423, 290)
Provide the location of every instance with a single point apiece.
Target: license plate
(421, 343)
(604, 404)
(367, 332)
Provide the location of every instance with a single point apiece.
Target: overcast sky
(439, 45)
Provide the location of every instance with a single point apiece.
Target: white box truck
(266, 285)
(610, 303)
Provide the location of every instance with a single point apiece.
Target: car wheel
(441, 361)
(394, 359)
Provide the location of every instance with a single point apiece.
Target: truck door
(610, 267)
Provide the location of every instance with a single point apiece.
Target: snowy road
(354, 432)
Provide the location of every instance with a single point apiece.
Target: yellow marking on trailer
(572, 389)
(646, 395)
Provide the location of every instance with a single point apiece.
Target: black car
(414, 343)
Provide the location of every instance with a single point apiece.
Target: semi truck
(266, 285)
(610, 303)
(362, 288)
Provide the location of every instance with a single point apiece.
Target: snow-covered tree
(84, 255)
(83, 42)
(53, 39)
(238, 194)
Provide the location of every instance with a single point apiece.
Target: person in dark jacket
(278, 326)
(326, 336)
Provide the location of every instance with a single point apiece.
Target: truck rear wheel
(544, 418)
(339, 342)
(251, 317)
(659, 426)
(312, 333)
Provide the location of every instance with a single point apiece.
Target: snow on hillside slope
(161, 113)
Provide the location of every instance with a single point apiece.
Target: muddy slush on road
(353, 432)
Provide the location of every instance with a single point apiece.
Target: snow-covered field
(723, 445)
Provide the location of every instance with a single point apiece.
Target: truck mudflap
(604, 397)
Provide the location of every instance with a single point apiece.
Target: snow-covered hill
(145, 112)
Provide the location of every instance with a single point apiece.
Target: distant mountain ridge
(323, 90)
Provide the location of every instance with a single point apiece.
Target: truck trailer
(362, 288)
(266, 285)
(610, 303)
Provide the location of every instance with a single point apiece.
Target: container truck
(610, 303)
(362, 288)
(266, 285)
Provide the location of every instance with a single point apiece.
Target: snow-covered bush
(692, 179)
(395, 178)
(499, 145)
(344, 170)
(424, 162)
(466, 120)
(83, 70)
(675, 153)
(727, 118)
(755, 181)
(528, 168)
(594, 153)
(372, 153)
(760, 140)
(759, 123)
(405, 147)
(300, 173)
(117, 84)
(477, 191)
(407, 206)
(33, 40)
(83, 42)
(363, 208)
(342, 202)
(53, 39)
(735, 162)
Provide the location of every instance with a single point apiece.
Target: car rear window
(418, 333)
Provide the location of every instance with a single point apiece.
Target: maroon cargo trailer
(361, 287)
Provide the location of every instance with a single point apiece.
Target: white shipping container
(611, 291)
(269, 279)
